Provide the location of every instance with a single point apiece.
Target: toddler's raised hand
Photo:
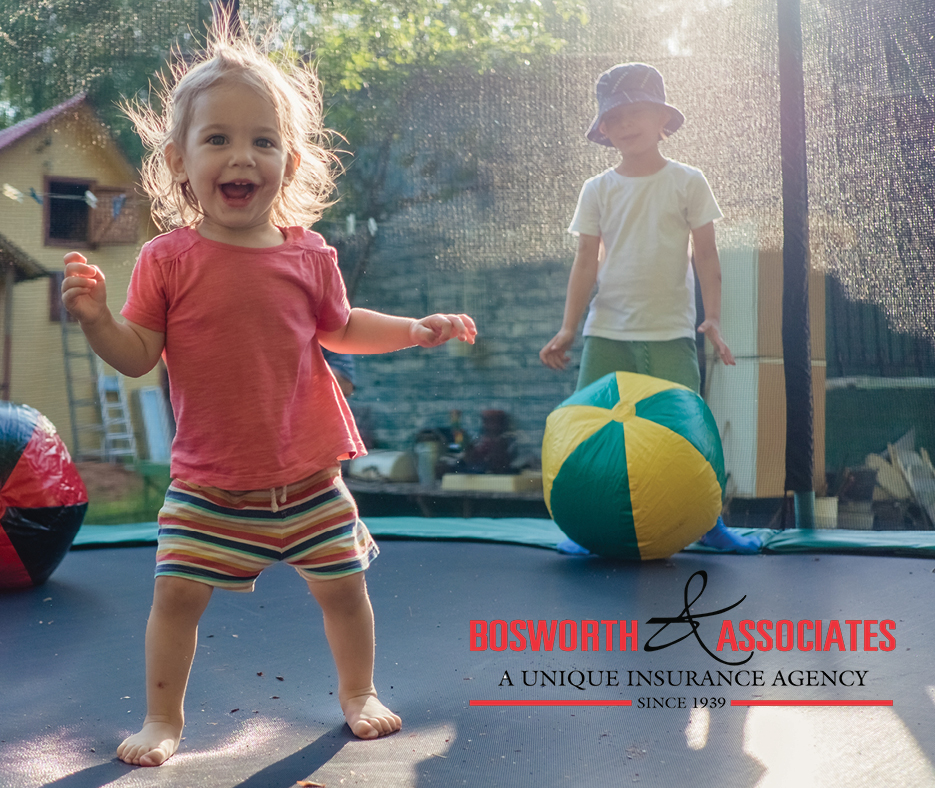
(435, 330)
(83, 291)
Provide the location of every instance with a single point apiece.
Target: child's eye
(216, 139)
(265, 143)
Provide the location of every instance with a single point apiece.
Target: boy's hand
(555, 353)
(712, 330)
(435, 330)
(83, 291)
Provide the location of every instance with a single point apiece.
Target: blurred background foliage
(371, 56)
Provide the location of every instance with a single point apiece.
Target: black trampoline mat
(72, 677)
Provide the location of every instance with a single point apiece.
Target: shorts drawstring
(273, 503)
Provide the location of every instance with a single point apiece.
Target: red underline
(630, 703)
(551, 703)
(811, 703)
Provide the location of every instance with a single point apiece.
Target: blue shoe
(568, 547)
(723, 538)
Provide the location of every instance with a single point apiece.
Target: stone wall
(517, 310)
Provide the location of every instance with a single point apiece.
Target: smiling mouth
(237, 190)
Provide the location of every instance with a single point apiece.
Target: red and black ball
(42, 497)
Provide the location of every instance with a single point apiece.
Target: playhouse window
(67, 213)
(81, 214)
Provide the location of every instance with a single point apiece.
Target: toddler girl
(239, 298)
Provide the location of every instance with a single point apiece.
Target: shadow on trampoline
(72, 656)
(306, 761)
(92, 777)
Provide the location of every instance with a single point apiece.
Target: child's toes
(152, 746)
(370, 719)
(374, 727)
(384, 724)
(362, 729)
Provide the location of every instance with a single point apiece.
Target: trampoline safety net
(460, 127)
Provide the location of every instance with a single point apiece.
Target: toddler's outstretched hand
(712, 330)
(435, 330)
(83, 291)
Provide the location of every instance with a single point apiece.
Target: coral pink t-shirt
(255, 403)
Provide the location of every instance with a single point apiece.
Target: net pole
(797, 363)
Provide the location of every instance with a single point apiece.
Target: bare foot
(368, 718)
(152, 746)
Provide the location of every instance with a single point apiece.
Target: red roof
(24, 127)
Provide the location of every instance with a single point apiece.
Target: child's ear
(292, 164)
(175, 163)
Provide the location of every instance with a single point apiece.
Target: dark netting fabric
(461, 196)
(870, 72)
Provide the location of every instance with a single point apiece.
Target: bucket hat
(631, 83)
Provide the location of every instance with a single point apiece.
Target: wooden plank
(889, 478)
(919, 475)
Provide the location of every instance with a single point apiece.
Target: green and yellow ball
(632, 467)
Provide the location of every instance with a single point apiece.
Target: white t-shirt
(646, 289)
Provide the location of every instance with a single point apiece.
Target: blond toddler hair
(291, 86)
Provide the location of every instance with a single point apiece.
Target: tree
(110, 49)
(372, 57)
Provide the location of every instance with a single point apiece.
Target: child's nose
(242, 156)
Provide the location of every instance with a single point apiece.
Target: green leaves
(359, 42)
(372, 57)
(52, 49)
(375, 59)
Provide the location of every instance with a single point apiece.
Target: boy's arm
(708, 267)
(127, 347)
(580, 286)
(374, 332)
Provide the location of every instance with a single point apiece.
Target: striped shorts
(225, 538)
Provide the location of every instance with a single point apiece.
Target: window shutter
(116, 218)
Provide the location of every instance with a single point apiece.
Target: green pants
(675, 360)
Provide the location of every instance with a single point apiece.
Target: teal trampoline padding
(539, 532)
(532, 531)
(116, 535)
(914, 544)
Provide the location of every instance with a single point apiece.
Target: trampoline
(260, 710)
(468, 227)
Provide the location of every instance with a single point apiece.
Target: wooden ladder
(97, 401)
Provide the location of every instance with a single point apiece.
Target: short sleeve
(587, 218)
(702, 207)
(147, 300)
(334, 310)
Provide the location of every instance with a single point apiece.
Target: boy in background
(634, 223)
